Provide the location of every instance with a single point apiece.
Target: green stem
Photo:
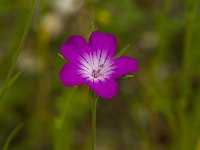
(94, 104)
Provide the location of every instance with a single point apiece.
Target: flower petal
(124, 65)
(103, 41)
(74, 49)
(104, 88)
(70, 75)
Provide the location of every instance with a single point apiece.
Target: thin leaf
(4, 90)
(14, 78)
(17, 53)
(14, 63)
(129, 76)
(11, 136)
(123, 51)
(61, 56)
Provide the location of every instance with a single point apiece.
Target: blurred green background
(158, 109)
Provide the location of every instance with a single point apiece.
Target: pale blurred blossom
(65, 7)
(29, 63)
(148, 41)
(52, 24)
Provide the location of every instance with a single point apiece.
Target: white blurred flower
(67, 6)
(29, 63)
(148, 41)
(52, 24)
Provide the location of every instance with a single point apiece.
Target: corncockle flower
(94, 64)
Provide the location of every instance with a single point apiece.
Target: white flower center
(97, 73)
(96, 66)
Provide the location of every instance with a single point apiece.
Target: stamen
(96, 73)
(98, 66)
(101, 66)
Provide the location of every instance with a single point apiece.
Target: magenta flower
(94, 63)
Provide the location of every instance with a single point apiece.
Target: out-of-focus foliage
(158, 109)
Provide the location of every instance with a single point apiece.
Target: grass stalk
(17, 53)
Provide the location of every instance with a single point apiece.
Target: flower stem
(94, 104)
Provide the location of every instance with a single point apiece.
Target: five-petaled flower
(94, 64)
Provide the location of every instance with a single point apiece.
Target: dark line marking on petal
(84, 66)
(79, 76)
(81, 55)
(101, 51)
(106, 58)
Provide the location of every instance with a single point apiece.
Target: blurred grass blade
(4, 91)
(16, 56)
(11, 136)
(65, 113)
(13, 79)
(60, 120)
(123, 51)
(129, 76)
